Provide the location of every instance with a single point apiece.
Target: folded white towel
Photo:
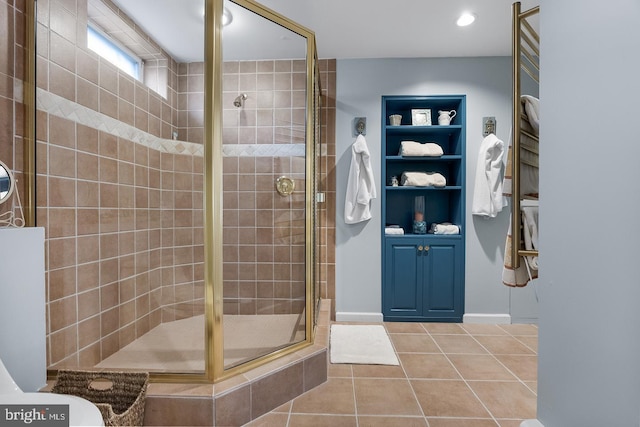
(444, 228)
(423, 179)
(413, 148)
(393, 230)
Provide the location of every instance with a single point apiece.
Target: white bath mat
(361, 344)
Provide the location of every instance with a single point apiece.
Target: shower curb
(245, 397)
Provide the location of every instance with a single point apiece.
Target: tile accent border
(263, 150)
(61, 107)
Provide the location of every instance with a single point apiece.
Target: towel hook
(488, 126)
(360, 125)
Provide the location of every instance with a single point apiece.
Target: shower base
(244, 397)
(178, 346)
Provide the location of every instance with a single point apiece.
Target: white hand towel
(361, 186)
(444, 228)
(393, 230)
(413, 148)
(423, 179)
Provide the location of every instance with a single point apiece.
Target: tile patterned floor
(450, 375)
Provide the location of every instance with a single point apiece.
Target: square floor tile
(503, 345)
(315, 420)
(378, 371)
(483, 329)
(333, 397)
(506, 399)
(480, 367)
(398, 421)
(460, 344)
(510, 423)
(404, 328)
(524, 367)
(385, 397)
(271, 419)
(529, 341)
(461, 422)
(448, 398)
(339, 370)
(533, 386)
(520, 329)
(418, 365)
(444, 328)
(414, 343)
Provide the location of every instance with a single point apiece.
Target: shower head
(239, 101)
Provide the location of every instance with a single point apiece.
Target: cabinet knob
(426, 248)
(420, 248)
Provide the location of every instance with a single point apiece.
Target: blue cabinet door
(442, 279)
(423, 279)
(403, 290)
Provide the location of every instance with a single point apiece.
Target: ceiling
(343, 28)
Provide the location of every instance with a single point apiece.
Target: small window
(112, 52)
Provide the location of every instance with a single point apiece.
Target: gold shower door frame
(213, 227)
(213, 209)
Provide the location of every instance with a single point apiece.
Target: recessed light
(466, 19)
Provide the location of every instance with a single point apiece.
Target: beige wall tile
(88, 194)
(88, 308)
(61, 253)
(62, 313)
(62, 82)
(62, 222)
(61, 283)
(88, 276)
(63, 343)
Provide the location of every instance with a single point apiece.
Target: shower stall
(179, 202)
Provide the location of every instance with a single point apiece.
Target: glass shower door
(264, 180)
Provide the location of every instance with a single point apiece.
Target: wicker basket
(121, 403)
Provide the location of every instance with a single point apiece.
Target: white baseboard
(502, 319)
(359, 317)
(531, 423)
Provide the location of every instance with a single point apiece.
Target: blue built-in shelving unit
(423, 274)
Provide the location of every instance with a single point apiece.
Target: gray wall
(360, 85)
(589, 344)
